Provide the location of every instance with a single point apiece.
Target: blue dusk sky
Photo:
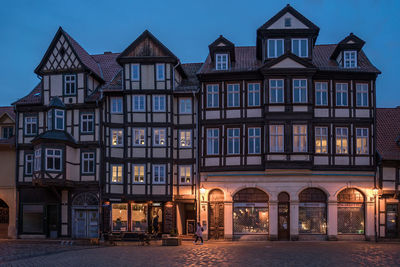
(187, 28)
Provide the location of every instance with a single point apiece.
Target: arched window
(85, 199)
(250, 212)
(312, 211)
(351, 212)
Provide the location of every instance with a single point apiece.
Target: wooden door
(80, 224)
(283, 216)
(92, 223)
(216, 220)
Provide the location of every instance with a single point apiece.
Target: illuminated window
(116, 174)
(341, 141)
(362, 141)
(321, 140)
(185, 138)
(276, 137)
(299, 138)
(139, 174)
(139, 137)
(117, 137)
(159, 137)
(185, 174)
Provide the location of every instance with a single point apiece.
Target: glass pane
(139, 217)
(312, 218)
(120, 217)
(250, 220)
(350, 218)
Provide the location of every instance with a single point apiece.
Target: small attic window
(288, 22)
(221, 61)
(350, 59)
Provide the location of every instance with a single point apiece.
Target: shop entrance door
(216, 220)
(392, 223)
(283, 216)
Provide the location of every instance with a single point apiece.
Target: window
(234, 141)
(119, 217)
(276, 138)
(185, 138)
(158, 103)
(116, 105)
(212, 141)
(275, 48)
(69, 84)
(32, 219)
(160, 72)
(116, 174)
(50, 120)
(276, 91)
(341, 141)
(30, 125)
(59, 119)
(299, 138)
(185, 105)
(212, 96)
(300, 47)
(7, 132)
(350, 212)
(321, 140)
(312, 211)
(28, 164)
(139, 137)
(53, 159)
(299, 91)
(321, 93)
(253, 94)
(288, 22)
(135, 72)
(362, 94)
(139, 216)
(341, 94)
(221, 61)
(254, 140)
(139, 103)
(88, 164)
(117, 137)
(158, 174)
(87, 121)
(233, 95)
(350, 59)
(185, 174)
(139, 174)
(362, 141)
(159, 137)
(38, 160)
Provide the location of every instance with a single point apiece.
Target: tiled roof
(34, 97)
(9, 110)
(190, 84)
(55, 135)
(388, 133)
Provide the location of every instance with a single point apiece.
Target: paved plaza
(210, 254)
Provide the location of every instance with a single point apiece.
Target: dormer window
(275, 48)
(288, 22)
(350, 59)
(221, 61)
(69, 84)
(300, 47)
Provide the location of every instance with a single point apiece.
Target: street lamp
(202, 190)
(375, 191)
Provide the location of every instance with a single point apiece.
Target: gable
(6, 119)
(287, 63)
(147, 48)
(295, 23)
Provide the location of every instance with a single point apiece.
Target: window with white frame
(341, 94)
(59, 119)
(275, 48)
(50, 120)
(87, 122)
(362, 141)
(38, 160)
(135, 72)
(185, 174)
(116, 174)
(276, 138)
(276, 91)
(185, 138)
(321, 93)
(221, 61)
(139, 175)
(350, 59)
(53, 159)
(158, 103)
(185, 105)
(253, 94)
(212, 95)
(69, 84)
(233, 95)
(212, 141)
(117, 136)
(139, 138)
(139, 103)
(254, 140)
(321, 140)
(299, 91)
(116, 105)
(300, 47)
(158, 174)
(159, 138)
(28, 164)
(30, 125)
(160, 72)
(362, 94)
(342, 140)
(234, 141)
(299, 138)
(88, 164)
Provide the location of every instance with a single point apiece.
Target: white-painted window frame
(276, 88)
(342, 135)
(352, 62)
(88, 157)
(274, 137)
(119, 174)
(70, 79)
(185, 105)
(116, 105)
(301, 146)
(300, 89)
(185, 138)
(233, 95)
(212, 138)
(88, 119)
(138, 171)
(159, 102)
(299, 46)
(136, 78)
(362, 135)
(233, 137)
(137, 136)
(160, 171)
(342, 90)
(253, 95)
(119, 136)
(252, 149)
(213, 94)
(159, 134)
(185, 172)
(320, 89)
(160, 72)
(141, 100)
(221, 61)
(56, 154)
(362, 93)
(275, 41)
(321, 135)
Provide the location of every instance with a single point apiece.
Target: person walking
(199, 234)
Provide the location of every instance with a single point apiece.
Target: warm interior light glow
(202, 190)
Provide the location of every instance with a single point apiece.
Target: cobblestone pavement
(222, 254)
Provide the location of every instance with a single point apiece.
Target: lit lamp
(202, 190)
(375, 191)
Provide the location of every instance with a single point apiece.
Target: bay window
(53, 159)
(28, 164)
(59, 119)
(38, 160)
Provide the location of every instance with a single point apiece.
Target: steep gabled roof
(221, 44)
(351, 42)
(34, 97)
(9, 111)
(288, 55)
(388, 132)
